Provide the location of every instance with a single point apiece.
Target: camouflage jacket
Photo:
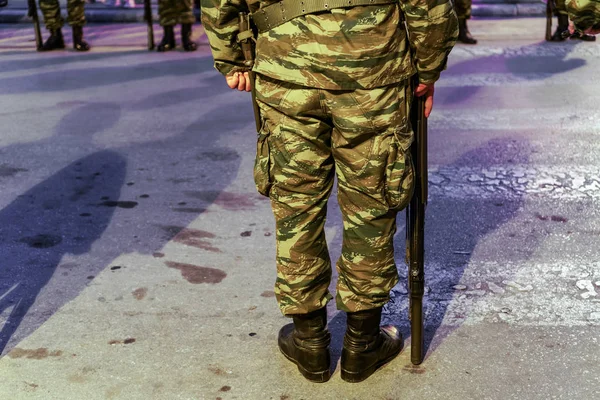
(585, 14)
(349, 48)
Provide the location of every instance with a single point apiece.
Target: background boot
(583, 36)
(306, 344)
(168, 41)
(3, 3)
(78, 43)
(464, 35)
(562, 30)
(186, 38)
(367, 346)
(54, 42)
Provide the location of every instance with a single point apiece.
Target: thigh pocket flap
(399, 176)
(263, 162)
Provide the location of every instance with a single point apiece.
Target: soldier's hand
(427, 91)
(239, 81)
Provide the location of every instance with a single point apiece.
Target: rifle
(415, 232)
(549, 14)
(245, 39)
(148, 19)
(36, 23)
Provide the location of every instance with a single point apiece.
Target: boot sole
(317, 377)
(355, 377)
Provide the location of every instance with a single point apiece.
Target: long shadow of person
(58, 217)
(533, 62)
(101, 76)
(169, 182)
(64, 59)
(178, 178)
(456, 223)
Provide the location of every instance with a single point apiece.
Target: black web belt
(276, 14)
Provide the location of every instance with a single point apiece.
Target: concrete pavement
(137, 258)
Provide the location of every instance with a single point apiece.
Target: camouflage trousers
(52, 18)
(173, 12)
(308, 136)
(462, 8)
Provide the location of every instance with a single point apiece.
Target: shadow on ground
(75, 220)
(530, 63)
(453, 229)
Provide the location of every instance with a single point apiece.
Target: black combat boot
(54, 42)
(3, 3)
(306, 344)
(78, 43)
(367, 346)
(583, 36)
(186, 38)
(168, 41)
(464, 35)
(562, 30)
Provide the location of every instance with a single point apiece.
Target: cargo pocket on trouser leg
(399, 176)
(263, 162)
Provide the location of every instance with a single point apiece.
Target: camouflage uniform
(463, 8)
(560, 10)
(173, 12)
(585, 14)
(333, 91)
(53, 19)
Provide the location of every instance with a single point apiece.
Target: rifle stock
(148, 18)
(415, 230)
(36, 23)
(245, 39)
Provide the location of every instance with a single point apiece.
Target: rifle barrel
(415, 233)
(36, 23)
(148, 18)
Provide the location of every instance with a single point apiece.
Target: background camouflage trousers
(52, 18)
(561, 7)
(462, 8)
(308, 135)
(173, 12)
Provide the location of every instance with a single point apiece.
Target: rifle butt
(416, 330)
(248, 51)
(416, 276)
(150, 29)
(36, 24)
(38, 34)
(150, 38)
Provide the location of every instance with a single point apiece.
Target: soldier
(562, 30)
(585, 15)
(463, 12)
(54, 23)
(172, 12)
(333, 88)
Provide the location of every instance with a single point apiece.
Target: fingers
(240, 81)
(426, 90)
(248, 82)
(421, 90)
(428, 105)
(232, 80)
